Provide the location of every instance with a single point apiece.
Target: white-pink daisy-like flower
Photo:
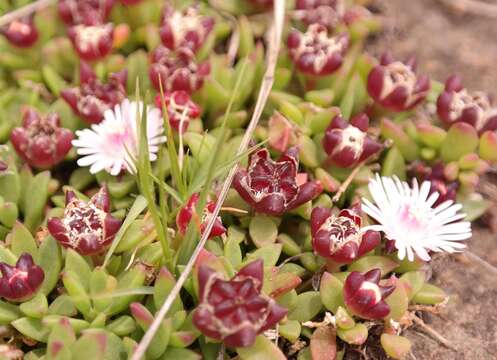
(406, 215)
(112, 145)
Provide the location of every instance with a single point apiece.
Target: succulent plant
(271, 187)
(21, 32)
(92, 98)
(41, 142)
(22, 281)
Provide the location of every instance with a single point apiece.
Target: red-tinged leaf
(323, 343)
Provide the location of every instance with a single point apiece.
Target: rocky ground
(449, 42)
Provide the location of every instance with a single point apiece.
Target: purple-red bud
(187, 28)
(315, 52)
(22, 281)
(272, 187)
(181, 109)
(364, 296)
(457, 104)
(395, 85)
(92, 42)
(177, 70)
(187, 212)
(348, 144)
(339, 237)
(84, 12)
(86, 227)
(93, 97)
(41, 142)
(328, 13)
(235, 311)
(21, 32)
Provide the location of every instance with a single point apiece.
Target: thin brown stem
(25, 11)
(432, 332)
(343, 187)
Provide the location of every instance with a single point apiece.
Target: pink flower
(271, 187)
(348, 144)
(315, 52)
(328, 13)
(181, 109)
(395, 85)
(86, 227)
(93, 97)
(235, 311)
(92, 42)
(187, 28)
(177, 70)
(85, 12)
(41, 142)
(22, 281)
(364, 296)
(340, 237)
(21, 32)
(187, 212)
(457, 104)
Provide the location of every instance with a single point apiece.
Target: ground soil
(449, 42)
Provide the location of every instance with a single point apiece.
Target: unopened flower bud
(364, 296)
(41, 142)
(21, 32)
(235, 311)
(271, 187)
(457, 104)
(348, 144)
(339, 237)
(86, 227)
(395, 85)
(22, 281)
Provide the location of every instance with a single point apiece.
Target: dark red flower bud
(328, 13)
(456, 104)
(85, 12)
(20, 282)
(395, 85)
(41, 142)
(315, 52)
(92, 42)
(347, 144)
(447, 190)
(364, 296)
(271, 187)
(177, 70)
(21, 32)
(339, 237)
(187, 212)
(93, 97)
(180, 109)
(187, 28)
(235, 311)
(86, 227)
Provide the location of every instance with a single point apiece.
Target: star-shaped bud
(328, 13)
(92, 42)
(84, 12)
(93, 97)
(21, 32)
(348, 144)
(315, 52)
(187, 28)
(271, 187)
(20, 282)
(41, 142)
(364, 296)
(457, 104)
(86, 227)
(395, 85)
(235, 311)
(340, 237)
(188, 212)
(177, 70)
(181, 109)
